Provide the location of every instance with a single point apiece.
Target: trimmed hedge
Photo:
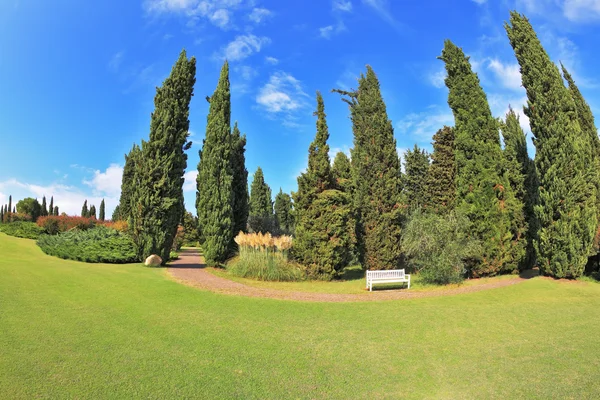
(22, 229)
(97, 245)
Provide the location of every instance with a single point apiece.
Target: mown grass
(76, 330)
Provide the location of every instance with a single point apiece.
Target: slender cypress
(483, 193)
(342, 172)
(566, 206)
(102, 213)
(44, 209)
(214, 198)
(9, 208)
(92, 212)
(56, 210)
(123, 210)
(240, 180)
(416, 167)
(51, 206)
(283, 212)
(84, 210)
(441, 177)
(376, 176)
(159, 170)
(261, 204)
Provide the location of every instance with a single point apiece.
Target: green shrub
(438, 248)
(173, 255)
(97, 245)
(22, 229)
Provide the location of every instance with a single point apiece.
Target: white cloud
(283, 93)
(271, 60)
(480, 1)
(333, 152)
(218, 12)
(328, 31)
(220, 18)
(246, 72)
(341, 5)
(190, 181)
(259, 15)
(422, 126)
(107, 182)
(243, 46)
(382, 8)
(508, 74)
(437, 79)
(582, 10)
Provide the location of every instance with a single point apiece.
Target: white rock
(153, 261)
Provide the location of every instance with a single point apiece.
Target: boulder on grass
(153, 261)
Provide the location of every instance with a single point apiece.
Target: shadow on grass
(530, 273)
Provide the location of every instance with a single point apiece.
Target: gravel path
(190, 270)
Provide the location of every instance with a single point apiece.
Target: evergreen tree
(51, 206)
(441, 177)
(240, 180)
(215, 195)
(56, 210)
(102, 213)
(92, 212)
(85, 213)
(9, 208)
(520, 171)
(483, 193)
(342, 172)
(44, 207)
(1, 214)
(261, 217)
(324, 236)
(158, 173)
(123, 209)
(30, 206)
(376, 176)
(283, 212)
(416, 167)
(566, 206)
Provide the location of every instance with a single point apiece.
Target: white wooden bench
(392, 276)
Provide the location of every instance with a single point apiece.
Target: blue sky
(77, 78)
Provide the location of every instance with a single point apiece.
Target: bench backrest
(396, 273)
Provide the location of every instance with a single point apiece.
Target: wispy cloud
(422, 126)
(341, 5)
(107, 182)
(328, 31)
(271, 60)
(437, 78)
(509, 75)
(189, 184)
(243, 46)
(259, 15)
(382, 8)
(116, 60)
(217, 12)
(582, 10)
(282, 96)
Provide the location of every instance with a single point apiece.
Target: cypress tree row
(324, 236)
(342, 172)
(215, 195)
(566, 206)
(84, 210)
(102, 213)
(376, 176)
(283, 212)
(261, 205)
(157, 198)
(240, 180)
(416, 167)
(51, 206)
(483, 194)
(123, 210)
(44, 209)
(441, 176)
(520, 171)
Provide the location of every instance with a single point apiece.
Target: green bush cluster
(264, 266)
(97, 245)
(22, 229)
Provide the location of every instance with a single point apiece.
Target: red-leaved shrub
(57, 224)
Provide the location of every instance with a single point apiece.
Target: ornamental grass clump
(265, 258)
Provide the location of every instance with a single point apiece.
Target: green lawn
(75, 330)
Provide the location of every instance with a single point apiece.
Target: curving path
(190, 270)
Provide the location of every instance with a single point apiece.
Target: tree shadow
(529, 273)
(188, 259)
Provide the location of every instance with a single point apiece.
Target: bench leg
(409, 283)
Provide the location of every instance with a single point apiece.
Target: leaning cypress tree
(342, 172)
(520, 171)
(51, 206)
(261, 204)
(283, 212)
(124, 207)
(416, 167)
(215, 195)
(566, 207)
(483, 193)
(441, 177)
(84, 210)
(240, 180)
(324, 236)
(102, 213)
(376, 176)
(158, 176)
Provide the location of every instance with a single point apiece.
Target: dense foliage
(414, 179)
(261, 217)
(97, 245)
(22, 229)
(240, 180)
(284, 213)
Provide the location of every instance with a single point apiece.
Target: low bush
(173, 255)
(97, 245)
(121, 226)
(264, 258)
(22, 229)
(54, 225)
(438, 248)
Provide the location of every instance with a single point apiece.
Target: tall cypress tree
(51, 206)
(484, 195)
(240, 180)
(376, 176)
(566, 207)
(283, 212)
(123, 210)
(44, 208)
(215, 195)
(520, 171)
(56, 210)
(342, 172)
(158, 176)
(84, 210)
(9, 208)
(416, 167)
(441, 177)
(102, 213)
(261, 204)
(92, 212)
(324, 236)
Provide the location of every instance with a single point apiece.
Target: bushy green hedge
(22, 229)
(97, 245)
